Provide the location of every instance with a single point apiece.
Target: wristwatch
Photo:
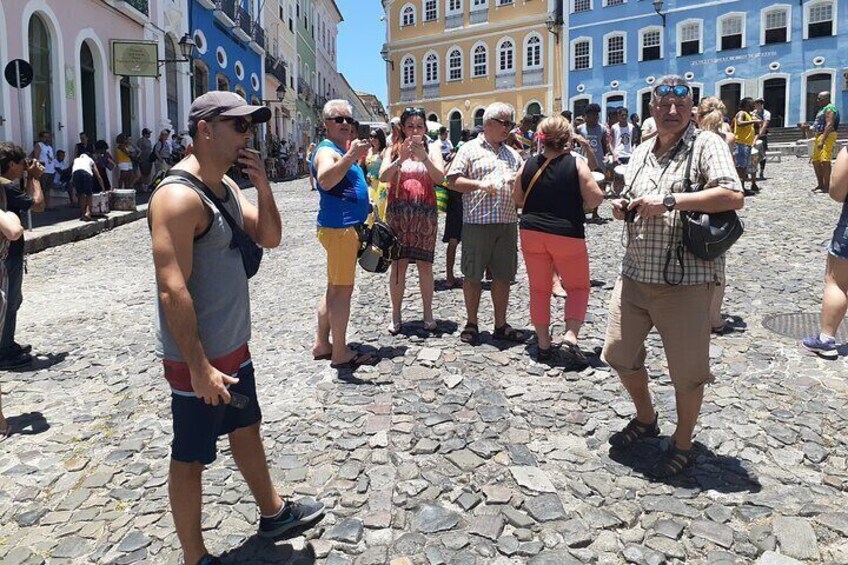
(669, 202)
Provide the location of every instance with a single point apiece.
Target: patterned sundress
(378, 191)
(412, 212)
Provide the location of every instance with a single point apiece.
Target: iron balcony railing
(229, 7)
(244, 21)
(275, 68)
(259, 35)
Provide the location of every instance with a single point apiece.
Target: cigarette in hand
(254, 151)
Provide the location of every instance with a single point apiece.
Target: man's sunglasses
(679, 90)
(342, 120)
(505, 123)
(239, 124)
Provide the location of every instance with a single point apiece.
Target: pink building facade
(75, 88)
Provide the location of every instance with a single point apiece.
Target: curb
(60, 236)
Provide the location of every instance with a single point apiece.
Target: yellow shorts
(825, 154)
(342, 246)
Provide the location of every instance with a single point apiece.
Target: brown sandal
(633, 432)
(671, 463)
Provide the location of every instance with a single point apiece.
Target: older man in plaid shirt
(483, 171)
(662, 284)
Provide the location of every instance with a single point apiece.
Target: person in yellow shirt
(745, 132)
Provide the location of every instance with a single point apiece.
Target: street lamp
(658, 6)
(186, 48)
(281, 94)
(553, 25)
(384, 53)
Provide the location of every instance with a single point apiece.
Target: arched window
(820, 19)
(455, 64)
(478, 116)
(408, 72)
(433, 118)
(774, 24)
(40, 89)
(506, 57)
(431, 69)
(616, 49)
(581, 54)
(650, 43)
(731, 31)
(221, 82)
(431, 10)
(407, 15)
(200, 83)
(88, 91)
(455, 126)
(481, 60)
(533, 52)
(534, 109)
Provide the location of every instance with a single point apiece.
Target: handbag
(378, 247)
(251, 253)
(708, 236)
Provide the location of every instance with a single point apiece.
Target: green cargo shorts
(489, 246)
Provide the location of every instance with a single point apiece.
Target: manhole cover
(799, 325)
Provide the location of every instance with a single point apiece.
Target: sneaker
(292, 515)
(15, 361)
(826, 349)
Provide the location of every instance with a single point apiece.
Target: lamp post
(186, 45)
(281, 94)
(658, 6)
(553, 25)
(384, 53)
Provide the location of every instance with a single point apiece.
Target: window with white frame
(614, 52)
(732, 29)
(581, 54)
(651, 45)
(408, 72)
(581, 5)
(454, 6)
(689, 37)
(431, 69)
(506, 56)
(431, 10)
(505, 2)
(455, 64)
(481, 61)
(479, 4)
(775, 26)
(407, 15)
(533, 52)
(613, 2)
(820, 20)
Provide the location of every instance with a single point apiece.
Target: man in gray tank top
(204, 316)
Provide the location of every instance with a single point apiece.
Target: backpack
(378, 247)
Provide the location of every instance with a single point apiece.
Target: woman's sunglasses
(342, 120)
(414, 112)
(679, 90)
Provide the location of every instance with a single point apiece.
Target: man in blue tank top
(344, 205)
(204, 316)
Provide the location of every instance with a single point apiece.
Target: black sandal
(672, 462)
(508, 333)
(574, 353)
(633, 432)
(470, 334)
(544, 355)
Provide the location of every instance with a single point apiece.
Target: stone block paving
(442, 452)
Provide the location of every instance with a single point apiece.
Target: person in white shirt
(649, 129)
(43, 152)
(84, 171)
(622, 137)
(446, 145)
(62, 176)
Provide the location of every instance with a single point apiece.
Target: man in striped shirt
(483, 171)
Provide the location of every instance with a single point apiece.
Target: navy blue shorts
(197, 425)
(83, 182)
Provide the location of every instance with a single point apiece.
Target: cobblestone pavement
(442, 453)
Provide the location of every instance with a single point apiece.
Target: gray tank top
(218, 286)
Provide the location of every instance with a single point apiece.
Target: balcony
(243, 24)
(408, 93)
(431, 90)
(304, 91)
(226, 12)
(479, 15)
(276, 68)
(532, 77)
(138, 10)
(257, 41)
(505, 80)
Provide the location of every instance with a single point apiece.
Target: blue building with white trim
(785, 51)
(230, 47)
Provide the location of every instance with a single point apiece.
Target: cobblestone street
(443, 452)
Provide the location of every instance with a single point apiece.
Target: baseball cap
(225, 104)
(165, 132)
(760, 100)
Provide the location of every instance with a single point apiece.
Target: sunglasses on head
(413, 112)
(678, 90)
(342, 120)
(506, 123)
(239, 124)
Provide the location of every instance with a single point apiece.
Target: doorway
(613, 104)
(774, 96)
(126, 105)
(88, 91)
(731, 94)
(455, 126)
(816, 83)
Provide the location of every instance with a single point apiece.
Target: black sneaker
(292, 515)
(15, 361)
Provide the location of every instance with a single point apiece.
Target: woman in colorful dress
(412, 168)
(378, 191)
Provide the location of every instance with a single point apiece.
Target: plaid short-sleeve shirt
(478, 160)
(651, 240)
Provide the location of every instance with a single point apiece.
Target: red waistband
(179, 377)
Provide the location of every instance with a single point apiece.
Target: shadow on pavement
(709, 471)
(28, 424)
(259, 550)
(417, 329)
(41, 361)
(346, 374)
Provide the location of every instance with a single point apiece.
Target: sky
(361, 37)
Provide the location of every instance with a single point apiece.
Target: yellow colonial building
(454, 57)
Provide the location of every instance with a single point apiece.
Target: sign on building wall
(135, 58)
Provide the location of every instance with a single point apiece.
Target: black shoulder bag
(251, 253)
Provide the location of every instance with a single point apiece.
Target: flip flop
(356, 361)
